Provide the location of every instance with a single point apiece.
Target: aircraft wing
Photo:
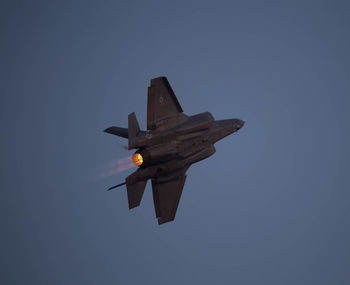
(166, 197)
(162, 102)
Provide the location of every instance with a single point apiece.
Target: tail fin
(135, 193)
(133, 129)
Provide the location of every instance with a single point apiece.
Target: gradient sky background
(270, 207)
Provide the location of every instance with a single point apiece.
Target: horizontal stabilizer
(113, 187)
(121, 132)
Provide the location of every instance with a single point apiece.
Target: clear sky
(270, 207)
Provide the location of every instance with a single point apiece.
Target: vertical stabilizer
(135, 193)
(133, 129)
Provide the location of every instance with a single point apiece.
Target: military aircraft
(173, 141)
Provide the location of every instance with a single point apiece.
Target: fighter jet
(173, 141)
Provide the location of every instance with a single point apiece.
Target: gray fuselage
(191, 139)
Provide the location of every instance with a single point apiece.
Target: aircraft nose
(230, 124)
(223, 128)
(239, 124)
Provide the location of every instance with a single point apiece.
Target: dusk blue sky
(270, 207)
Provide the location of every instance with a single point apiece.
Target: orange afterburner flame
(137, 159)
(113, 167)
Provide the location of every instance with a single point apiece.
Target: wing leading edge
(162, 102)
(166, 197)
